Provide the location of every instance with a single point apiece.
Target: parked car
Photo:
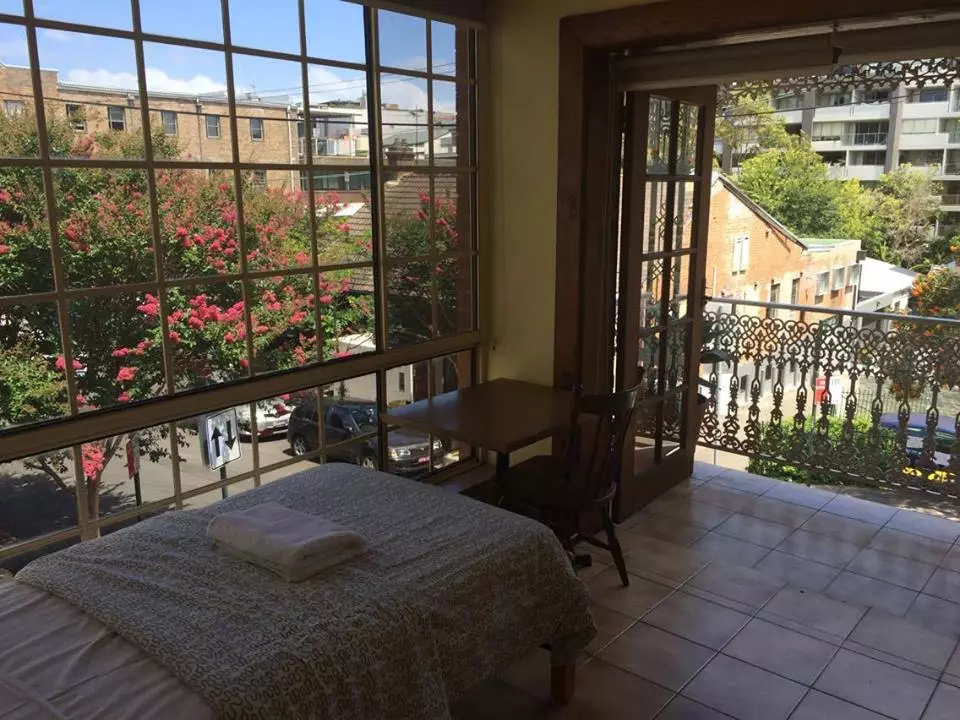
(273, 417)
(916, 432)
(409, 451)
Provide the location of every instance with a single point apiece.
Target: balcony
(866, 138)
(950, 200)
(337, 147)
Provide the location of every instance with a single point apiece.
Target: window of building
(795, 291)
(868, 157)
(835, 99)
(921, 158)
(13, 107)
(213, 126)
(283, 285)
(869, 133)
(827, 131)
(927, 95)
(401, 381)
(117, 117)
(774, 298)
(256, 129)
(168, 119)
(853, 274)
(823, 282)
(839, 278)
(741, 254)
(788, 102)
(918, 126)
(875, 96)
(259, 178)
(76, 117)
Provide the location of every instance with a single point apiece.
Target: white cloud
(403, 93)
(13, 51)
(157, 81)
(326, 85)
(57, 36)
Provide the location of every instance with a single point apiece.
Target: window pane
(198, 223)
(335, 30)
(403, 41)
(18, 124)
(404, 116)
(25, 263)
(451, 372)
(267, 90)
(106, 90)
(284, 322)
(165, 17)
(116, 342)
(410, 305)
(249, 27)
(658, 139)
(454, 295)
(406, 200)
(350, 414)
(33, 384)
(343, 229)
(105, 230)
(276, 223)
(103, 13)
(207, 334)
(452, 230)
(444, 49)
(347, 312)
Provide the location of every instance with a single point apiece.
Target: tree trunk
(93, 503)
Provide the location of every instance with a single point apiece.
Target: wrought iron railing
(867, 138)
(869, 398)
(950, 199)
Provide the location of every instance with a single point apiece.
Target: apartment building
(865, 133)
(270, 129)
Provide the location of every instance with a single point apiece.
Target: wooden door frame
(588, 145)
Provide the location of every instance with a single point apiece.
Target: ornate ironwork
(866, 76)
(841, 401)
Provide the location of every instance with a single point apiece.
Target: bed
(150, 622)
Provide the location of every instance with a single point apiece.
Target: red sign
(133, 457)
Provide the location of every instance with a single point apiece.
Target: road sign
(133, 457)
(221, 443)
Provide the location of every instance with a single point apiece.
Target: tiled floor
(752, 598)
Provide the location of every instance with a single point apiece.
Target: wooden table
(501, 415)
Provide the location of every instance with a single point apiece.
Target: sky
(334, 32)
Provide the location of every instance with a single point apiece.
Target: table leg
(503, 463)
(563, 682)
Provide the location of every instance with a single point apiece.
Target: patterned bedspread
(449, 593)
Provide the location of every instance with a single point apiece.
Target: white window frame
(206, 127)
(253, 136)
(823, 283)
(853, 274)
(164, 116)
(112, 120)
(740, 254)
(72, 110)
(13, 108)
(839, 276)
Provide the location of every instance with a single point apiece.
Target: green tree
(907, 203)
(746, 127)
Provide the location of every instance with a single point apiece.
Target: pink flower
(229, 337)
(326, 299)
(174, 336)
(302, 258)
(123, 397)
(93, 460)
(61, 363)
(4, 249)
(195, 322)
(151, 306)
(181, 232)
(81, 400)
(4, 196)
(344, 227)
(120, 352)
(126, 374)
(261, 329)
(244, 362)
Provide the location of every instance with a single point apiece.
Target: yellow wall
(521, 96)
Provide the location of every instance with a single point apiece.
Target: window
(13, 107)
(827, 131)
(213, 127)
(401, 382)
(875, 96)
(242, 290)
(256, 129)
(795, 291)
(919, 126)
(927, 95)
(839, 278)
(869, 133)
(835, 99)
(741, 254)
(788, 102)
(853, 274)
(76, 117)
(168, 119)
(116, 118)
(868, 157)
(823, 283)
(774, 298)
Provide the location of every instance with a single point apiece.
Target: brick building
(752, 256)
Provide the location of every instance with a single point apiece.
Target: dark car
(409, 451)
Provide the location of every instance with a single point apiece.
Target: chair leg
(615, 548)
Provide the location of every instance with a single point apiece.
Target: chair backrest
(598, 432)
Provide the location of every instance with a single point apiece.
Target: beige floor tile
(876, 685)
(735, 582)
(705, 470)
(892, 569)
(654, 558)
(945, 704)
(926, 525)
(797, 571)
(721, 496)
(744, 691)
(723, 547)
(634, 601)
(800, 495)
(605, 692)
(657, 655)
(743, 481)
(841, 528)
(862, 590)
(913, 547)
(610, 624)
(858, 509)
(817, 706)
(667, 529)
(778, 511)
(816, 611)
(682, 708)
(690, 511)
(896, 636)
(819, 548)
(944, 584)
(785, 652)
(754, 530)
(697, 619)
(935, 614)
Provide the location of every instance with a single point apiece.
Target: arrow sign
(231, 438)
(220, 443)
(215, 437)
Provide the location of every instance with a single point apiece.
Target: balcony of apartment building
(186, 339)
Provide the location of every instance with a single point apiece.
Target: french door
(667, 163)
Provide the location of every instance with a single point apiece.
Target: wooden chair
(561, 491)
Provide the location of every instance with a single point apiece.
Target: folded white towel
(292, 544)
